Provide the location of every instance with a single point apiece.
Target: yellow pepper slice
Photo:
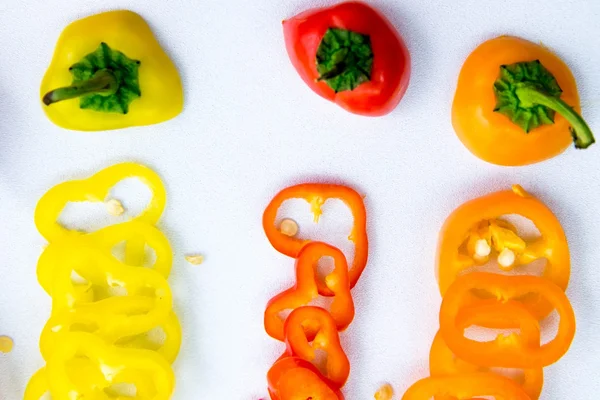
(109, 72)
(96, 188)
(117, 365)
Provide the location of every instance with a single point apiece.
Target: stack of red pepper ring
(296, 374)
(99, 338)
(492, 300)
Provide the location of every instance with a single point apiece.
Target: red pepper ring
(512, 351)
(466, 386)
(317, 194)
(317, 324)
(305, 290)
(292, 378)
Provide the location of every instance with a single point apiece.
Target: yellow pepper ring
(552, 244)
(96, 188)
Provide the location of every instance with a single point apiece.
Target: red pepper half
(316, 195)
(342, 307)
(350, 54)
(313, 324)
(292, 378)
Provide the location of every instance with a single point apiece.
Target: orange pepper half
(292, 378)
(506, 351)
(466, 386)
(478, 221)
(313, 324)
(317, 194)
(342, 306)
(516, 103)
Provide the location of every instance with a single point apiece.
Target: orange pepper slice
(512, 351)
(466, 386)
(292, 378)
(306, 324)
(305, 290)
(552, 245)
(317, 194)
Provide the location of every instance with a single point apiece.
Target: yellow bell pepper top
(109, 72)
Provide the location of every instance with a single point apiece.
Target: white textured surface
(251, 127)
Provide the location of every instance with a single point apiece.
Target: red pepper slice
(512, 351)
(292, 378)
(317, 194)
(466, 386)
(373, 80)
(305, 290)
(306, 324)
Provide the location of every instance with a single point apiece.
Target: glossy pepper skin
(512, 351)
(464, 224)
(379, 90)
(466, 386)
(316, 195)
(313, 324)
(292, 378)
(154, 94)
(306, 290)
(492, 135)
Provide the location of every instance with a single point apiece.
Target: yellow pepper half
(109, 72)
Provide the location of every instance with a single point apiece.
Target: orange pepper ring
(499, 353)
(317, 324)
(494, 205)
(305, 290)
(310, 192)
(466, 386)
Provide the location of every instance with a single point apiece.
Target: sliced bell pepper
(305, 290)
(292, 378)
(115, 365)
(466, 386)
(316, 195)
(509, 92)
(477, 222)
(350, 54)
(96, 188)
(147, 290)
(109, 72)
(443, 362)
(313, 324)
(507, 351)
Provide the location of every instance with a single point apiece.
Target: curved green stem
(530, 96)
(103, 82)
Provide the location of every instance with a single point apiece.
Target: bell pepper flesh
(292, 378)
(317, 195)
(305, 290)
(513, 351)
(463, 222)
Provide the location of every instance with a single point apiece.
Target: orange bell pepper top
(513, 350)
(478, 222)
(516, 103)
(305, 290)
(466, 386)
(316, 195)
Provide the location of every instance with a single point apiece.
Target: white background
(251, 127)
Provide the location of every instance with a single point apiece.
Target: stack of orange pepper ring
(295, 374)
(95, 341)
(460, 367)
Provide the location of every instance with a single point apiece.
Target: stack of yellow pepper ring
(101, 339)
(461, 367)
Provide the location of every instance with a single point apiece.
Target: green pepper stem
(529, 96)
(103, 82)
